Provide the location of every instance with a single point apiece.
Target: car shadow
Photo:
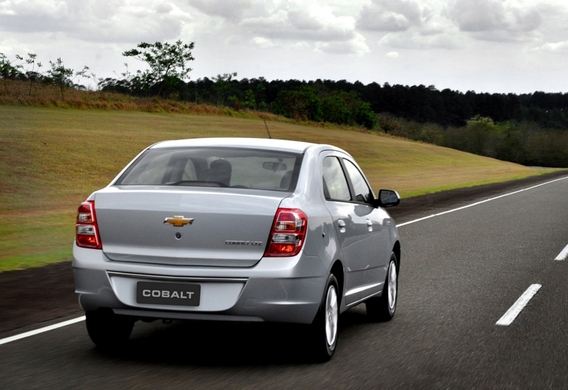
(229, 343)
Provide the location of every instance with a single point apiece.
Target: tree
(481, 132)
(222, 85)
(335, 109)
(249, 100)
(300, 104)
(138, 84)
(167, 62)
(31, 74)
(62, 77)
(7, 70)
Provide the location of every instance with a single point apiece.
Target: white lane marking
(518, 306)
(41, 330)
(478, 203)
(79, 319)
(562, 255)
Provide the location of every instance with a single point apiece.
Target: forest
(529, 129)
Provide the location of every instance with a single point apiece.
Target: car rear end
(203, 229)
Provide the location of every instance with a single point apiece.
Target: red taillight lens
(86, 229)
(288, 233)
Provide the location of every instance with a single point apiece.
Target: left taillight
(288, 233)
(86, 229)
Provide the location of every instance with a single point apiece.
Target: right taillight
(288, 233)
(86, 229)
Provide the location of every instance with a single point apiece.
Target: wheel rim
(331, 316)
(392, 288)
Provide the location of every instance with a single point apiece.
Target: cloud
(495, 19)
(452, 24)
(233, 10)
(554, 48)
(416, 41)
(263, 43)
(385, 15)
(409, 24)
(312, 22)
(357, 45)
(95, 20)
(31, 16)
(279, 22)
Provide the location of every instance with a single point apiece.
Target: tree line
(529, 129)
(524, 142)
(423, 104)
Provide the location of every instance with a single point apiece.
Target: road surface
(483, 304)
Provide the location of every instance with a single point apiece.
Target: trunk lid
(197, 227)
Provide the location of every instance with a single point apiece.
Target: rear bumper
(275, 290)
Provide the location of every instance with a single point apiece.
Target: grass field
(51, 159)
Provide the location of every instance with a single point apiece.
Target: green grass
(51, 159)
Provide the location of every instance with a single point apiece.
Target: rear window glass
(215, 167)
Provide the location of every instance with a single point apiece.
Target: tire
(383, 308)
(108, 330)
(324, 330)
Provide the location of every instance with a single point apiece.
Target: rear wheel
(383, 308)
(324, 329)
(108, 330)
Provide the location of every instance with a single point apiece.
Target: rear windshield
(215, 167)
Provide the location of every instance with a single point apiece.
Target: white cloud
(431, 40)
(311, 22)
(299, 46)
(304, 21)
(495, 19)
(372, 18)
(233, 10)
(553, 47)
(416, 41)
(95, 20)
(263, 43)
(409, 24)
(357, 45)
(386, 15)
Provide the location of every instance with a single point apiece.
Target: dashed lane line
(562, 255)
(82, 318)
(518, 306)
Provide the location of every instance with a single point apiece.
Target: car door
(358, 227)
(373, 252)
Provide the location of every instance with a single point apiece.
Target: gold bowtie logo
(179, 221)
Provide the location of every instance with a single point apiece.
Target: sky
(494, 46)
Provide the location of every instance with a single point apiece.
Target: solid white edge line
(41, 330)
(562, 255)
(82, 318)
(518, 306)
(481, 202)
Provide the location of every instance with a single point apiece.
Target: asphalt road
(461, 272)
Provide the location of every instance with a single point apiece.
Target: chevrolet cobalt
(236, 229)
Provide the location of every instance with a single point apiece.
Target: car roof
(255, 143)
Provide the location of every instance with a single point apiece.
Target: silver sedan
(236, 229)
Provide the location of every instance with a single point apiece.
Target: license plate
(179, 294)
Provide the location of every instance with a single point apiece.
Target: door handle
(341, 224)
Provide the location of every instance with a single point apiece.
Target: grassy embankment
(51, 159)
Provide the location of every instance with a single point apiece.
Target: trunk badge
(179, 221)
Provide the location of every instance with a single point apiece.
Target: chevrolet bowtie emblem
(179, 221)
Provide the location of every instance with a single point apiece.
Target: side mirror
(388, 198)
